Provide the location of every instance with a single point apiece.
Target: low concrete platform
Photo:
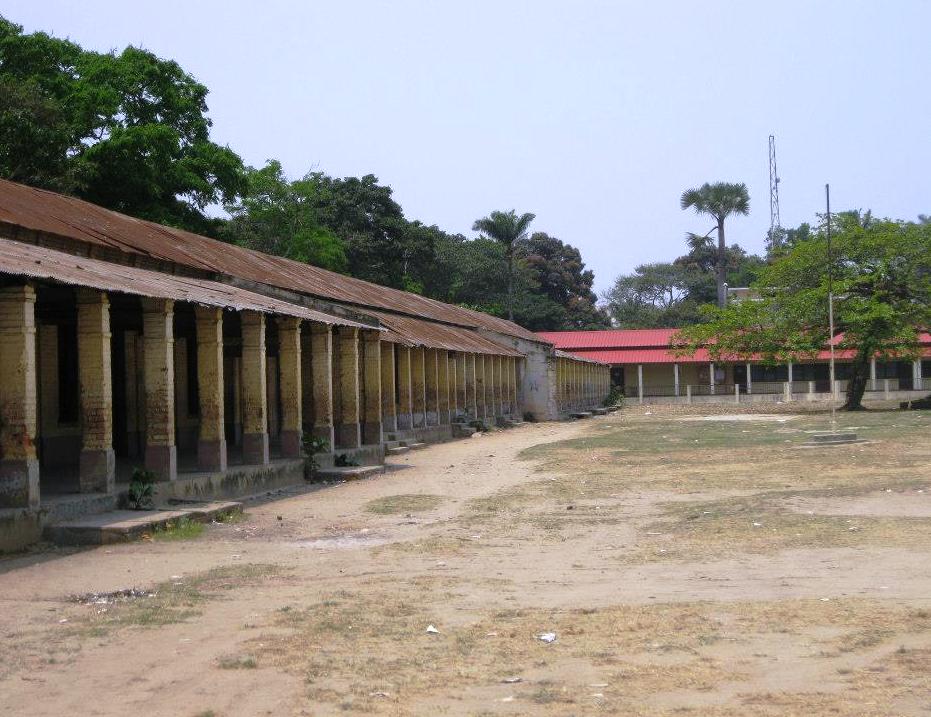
(349, 472)
(396, 450)
(120, 526)
(582, 414)
(832, 438)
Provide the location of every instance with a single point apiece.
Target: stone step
(415, 446)
(396, 450)
(393, 444)
(600, 411)
(120, 526)
(581, 414)
(349, 472)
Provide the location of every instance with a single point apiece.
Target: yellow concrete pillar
(443, 384)
(497, 364)
(254, 390)
(405, 394)
(97, 464)
(320, 380)
(515, 392)
(370, 344)
(211, 444)
(389, 413)
(418, 387)
(346, 391)
(452, 358)
(161, 455)
(480, 406)
(506, 385)
(471, 400)
(490, 409)
(461, 366)
(289, 386)
(19, 466)
(430, 377)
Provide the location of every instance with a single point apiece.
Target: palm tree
(719, 200)
(508, 229)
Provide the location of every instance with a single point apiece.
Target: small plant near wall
(344, 460)
(479, 425)
(312, 445)
(141, 492)
(615, 397)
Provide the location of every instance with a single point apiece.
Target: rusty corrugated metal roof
(28, 260)
(578, 357)
(52, 213)
(417, 332)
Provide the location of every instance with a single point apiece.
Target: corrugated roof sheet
(578, 357)
(416, 332)
(609, 338)
(45, 211)
(36, 262)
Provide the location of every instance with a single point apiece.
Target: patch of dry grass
(352, 646)
(405, 503)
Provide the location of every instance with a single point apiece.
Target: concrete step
(349, 472)
(415, 446)
(394, 444)
(396, 450)
(120, 526)
(600, 411)
(581, 414)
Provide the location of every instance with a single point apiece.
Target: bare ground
(706, 567)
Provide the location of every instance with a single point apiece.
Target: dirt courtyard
(653, 562)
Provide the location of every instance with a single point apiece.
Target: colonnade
(423, 387)
(252, 385)
(580, 384)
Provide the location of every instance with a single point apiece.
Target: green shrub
(141, 490)
(312, 445)
(615, 397)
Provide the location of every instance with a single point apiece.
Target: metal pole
(827, 196)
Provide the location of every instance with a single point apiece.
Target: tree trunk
(722, 265)
(510, 256)
(859, 375)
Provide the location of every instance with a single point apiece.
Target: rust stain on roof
(52, 213)
(417, 332)
(37, 262)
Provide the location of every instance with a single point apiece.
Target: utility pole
(775, 226)
(827, 199)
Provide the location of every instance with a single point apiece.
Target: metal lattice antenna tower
(775, 226)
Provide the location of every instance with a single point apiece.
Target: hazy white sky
(593, 115)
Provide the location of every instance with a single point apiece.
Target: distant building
(644, 365)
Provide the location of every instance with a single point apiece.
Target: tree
(559, 273)
(882, 284)
(128, 131)
(279, 217)
(655, 295)
(506, 228)
(719, 200)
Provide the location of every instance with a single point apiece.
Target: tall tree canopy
(128, 131)
(671, 294)
(719, 201)
(507, 228)
(882, 284)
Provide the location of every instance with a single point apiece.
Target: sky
(593, 115)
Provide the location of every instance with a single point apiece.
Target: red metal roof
(609, 338)
(60, 215)
(633, 346)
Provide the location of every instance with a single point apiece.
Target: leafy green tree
(719, 200)
(655, 295)
(881, 274)
(558, 272)
(279, 217)
(128, 131)
(507, 228)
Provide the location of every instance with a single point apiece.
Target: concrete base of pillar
(211, 455)
(444, 418)
(347, 435)
(19, 483)
(432, 418)
(405, 421)
(389, 424)
(291, 444)
(162, 461)
(324, 432)
(418, 420)
(371, 433)
(255, 449)
(97, 470)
